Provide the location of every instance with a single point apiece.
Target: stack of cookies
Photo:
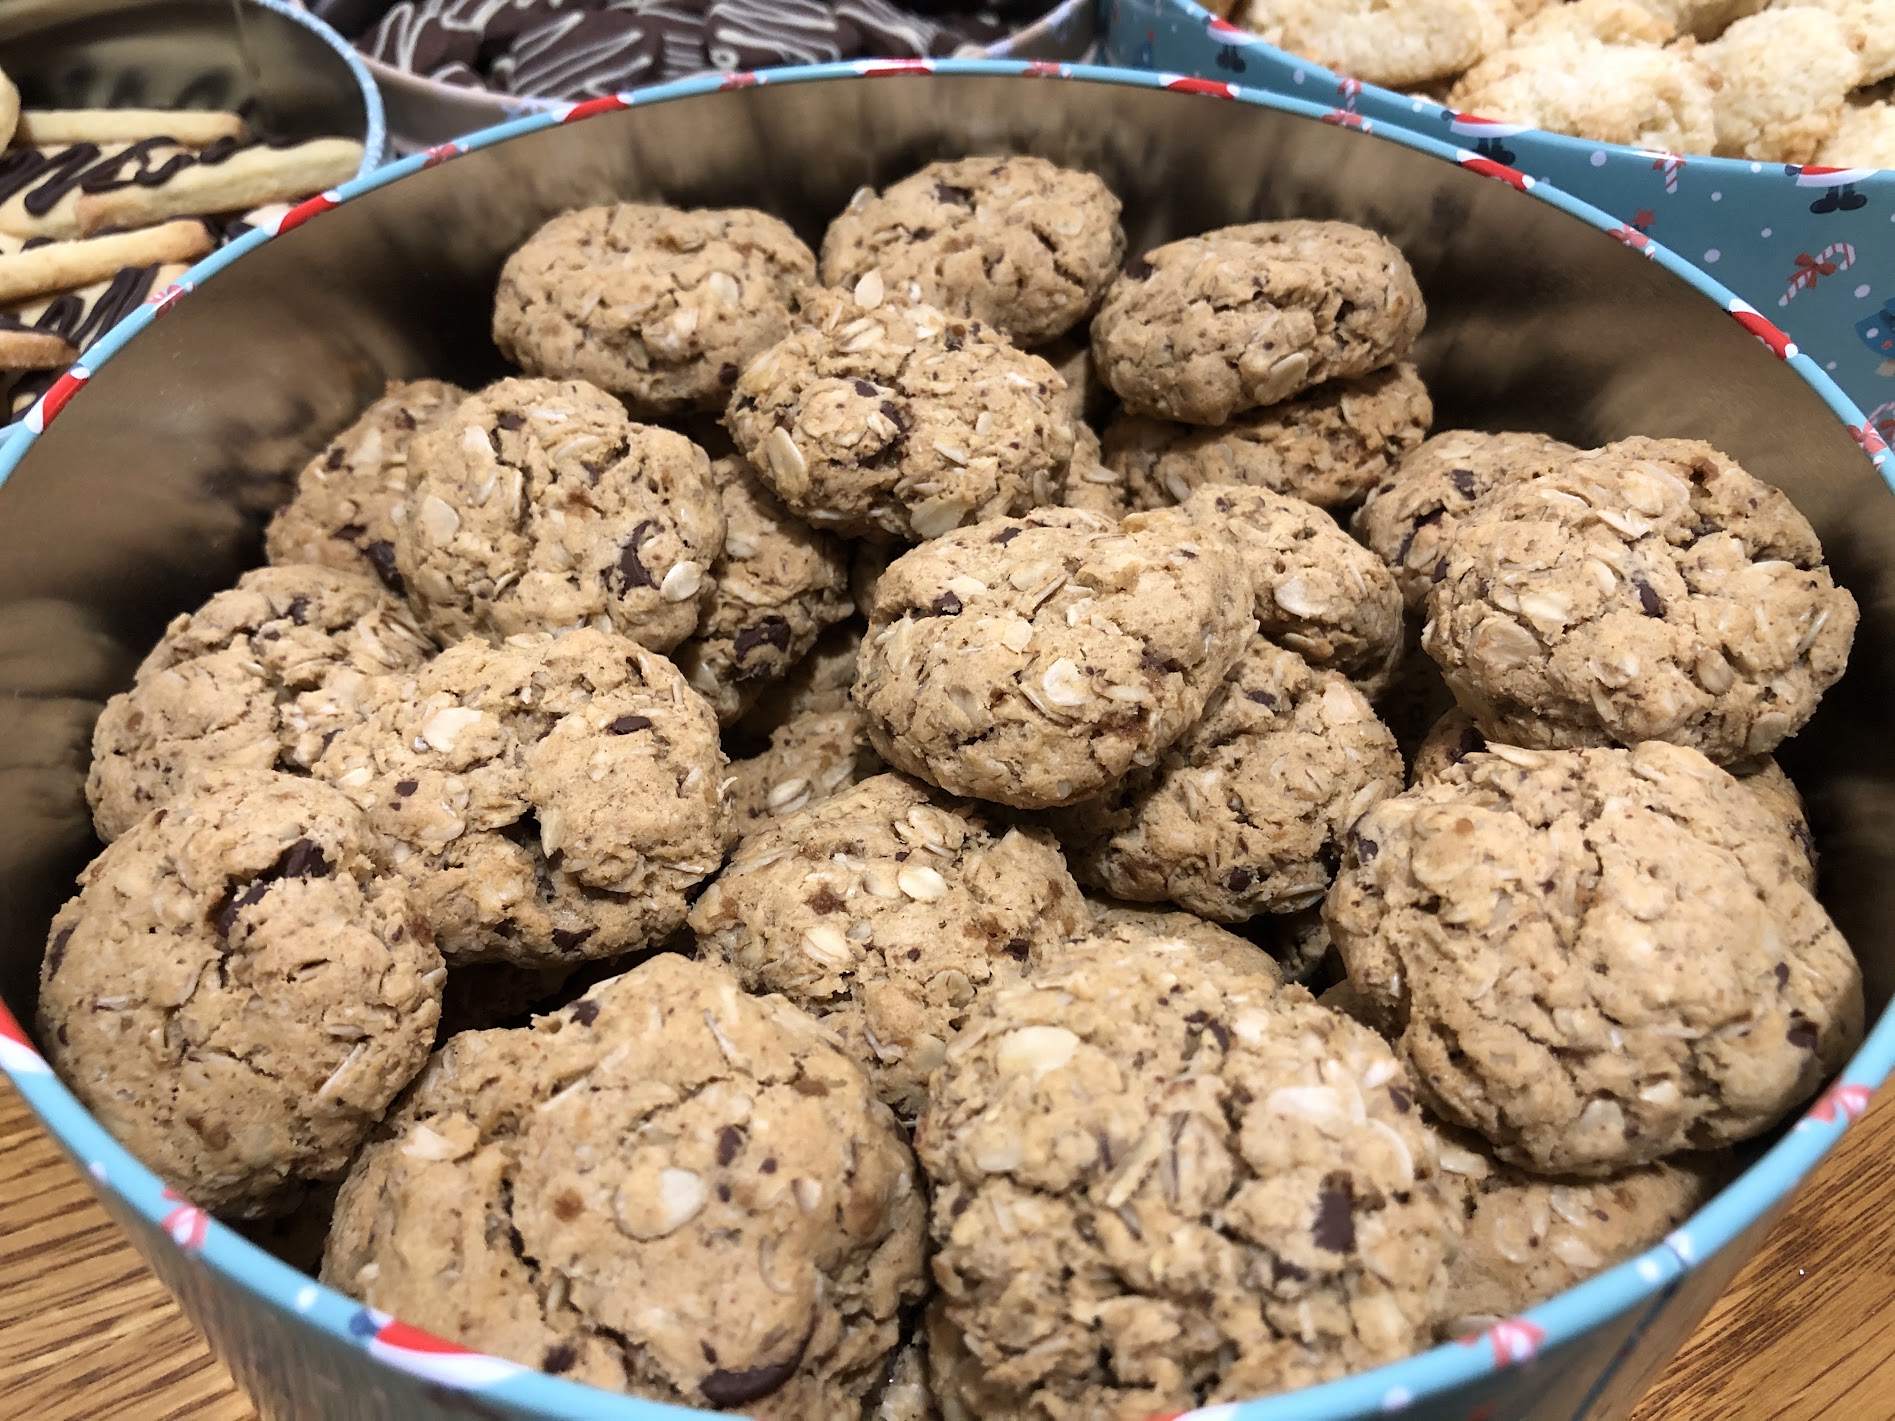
(101, 208)
(1778, 81)
(783, 872)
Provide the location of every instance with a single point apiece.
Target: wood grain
(1806, 1332)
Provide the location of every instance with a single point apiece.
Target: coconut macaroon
(1159, 1183)
(257, 678)
(553, 799)
(887, 910)
(1036, 661)
(1782, 78)
(669, 1188)
(1594, 958)
(1379, 43)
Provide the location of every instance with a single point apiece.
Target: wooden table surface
(86, 1332)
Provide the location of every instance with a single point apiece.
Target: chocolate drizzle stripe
(45, 177)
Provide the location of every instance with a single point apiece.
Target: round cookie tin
(123, 497)
(1795, 242)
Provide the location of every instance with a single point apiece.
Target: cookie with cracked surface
(1783, 77)
(1381, 43)
(1133, 1118)
(808, 760)
(1455, 737)
(1019, 243)
(257, 678)
(1130, 925)
(1205, 328)
(668, 1188)
(238, 992)
(1319, 593)
(887, 911)
(1640, 95)
(1525, 1237)
(552, 799)
(1594, 957)
(1247, 811)
(776, 585)
(1330, 445)
(539, 507)
(876, 418)
(661, 306)
(1652, 590)
(1409, 517)
(350, 497)
(1036, 661)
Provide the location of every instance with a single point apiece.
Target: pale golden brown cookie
(777, 584)
(879, 417)
(1330, 445)
(809, 759)
(257, 678)
(1158, 1183)
(1017, 242)
(1382, 43)
(1870, 26)
(1636, 94)
(538, 507)
(1455, 737)
(549, 800)
(1319, 593)
(1207, 327)
(1652, 590)
(1036, 661)
(661, 306)
(350, 497)
(1594, 957)
(1132, 925)
(669, 1188)
(1247, 811)
(1411, 515)
(1864, 138)
(1525, 1237)
(887, 911)
(237, 993)
(1782, 78)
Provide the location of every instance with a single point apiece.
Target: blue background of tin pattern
(303, 1350)
(1813, 250)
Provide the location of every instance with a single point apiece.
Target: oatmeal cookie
(256, 678)
(1089, 484)
(1017, 242)
(539, 507)
(1203, 329)
(1158, 1183)
(237, 992)
(549, 800)
(350, 497)
(1247, 811)
(1319, 593)
(669, 1188)
(776, 585)
(878, 418)
(660, 306)
(1131, 925)
(1652, 590)
(1455, 737)
(1411, 515)
(1525, 1237)
(809, 759)
(887, 911)
(1594, 957)
(1036, 661)
(1329, 446)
